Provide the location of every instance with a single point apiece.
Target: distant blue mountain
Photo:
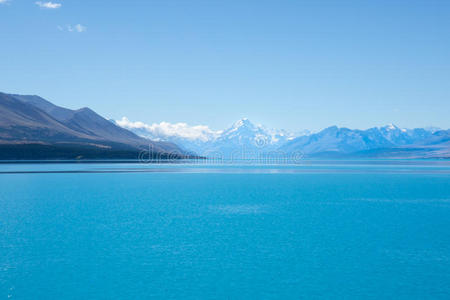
(387, 141)
(243, 139)
(247, 140)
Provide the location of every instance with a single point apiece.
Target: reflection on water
(248, 166)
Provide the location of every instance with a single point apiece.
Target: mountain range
(383, 142)
(34, 128)
(241, 139)
(246, 140)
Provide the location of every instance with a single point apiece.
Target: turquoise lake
(316, 230)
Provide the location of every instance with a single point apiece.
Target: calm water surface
(333, 230)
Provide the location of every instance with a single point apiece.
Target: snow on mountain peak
(389, 127)
(243, 134)
(244, 122)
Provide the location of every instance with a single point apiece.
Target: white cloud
(49, 5)
(4, 1)
(76, 28)
(80, 28)
(72, 28)
(165, 130)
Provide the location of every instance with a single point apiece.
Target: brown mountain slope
(33, 120)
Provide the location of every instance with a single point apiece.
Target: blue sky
(286, 64)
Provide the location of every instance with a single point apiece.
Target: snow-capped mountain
(343, 140)
(245, 140)
(401, 136)
(242, 140)
(245, 133)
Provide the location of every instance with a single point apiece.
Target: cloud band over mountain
(166, 130)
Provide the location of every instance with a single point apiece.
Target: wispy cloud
(4, 1)
(77, 28)
(72, 28)
(165, 130)
(49, 5)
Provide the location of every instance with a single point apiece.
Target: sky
(286, 64)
